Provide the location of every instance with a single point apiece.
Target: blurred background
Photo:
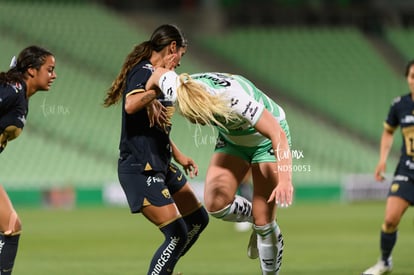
(333, 65)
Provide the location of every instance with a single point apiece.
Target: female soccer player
(32, 71)
(253, 133)
(401, 193)
(153, 185)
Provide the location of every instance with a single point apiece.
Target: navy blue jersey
(150, 146)
(401, 114)
(14, 105)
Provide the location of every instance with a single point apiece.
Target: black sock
(388, 241)
(166, 257)
(8, 251)
(196, 222)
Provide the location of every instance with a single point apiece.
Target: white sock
(270, 246)
(240, 210)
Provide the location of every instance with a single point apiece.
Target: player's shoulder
(144, 66)
(12, 90)
(401, 99)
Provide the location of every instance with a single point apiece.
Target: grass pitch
(320, 238)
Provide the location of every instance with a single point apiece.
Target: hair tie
(13, 62)
(186, 79)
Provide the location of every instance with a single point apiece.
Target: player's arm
(387, 139)
(139, 99)
(268, 126)
(188, 164)
(162, 84)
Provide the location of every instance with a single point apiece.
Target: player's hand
(189, 166)
(282, 194)
(157, 114)
(171, 61)
(379, 171)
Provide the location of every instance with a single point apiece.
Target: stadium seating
(402, 39)
(335, 71)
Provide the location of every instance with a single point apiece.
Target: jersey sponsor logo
(164, 78)
(217, 79)
(151, 180)
(400, 178)
(169, 91)
(407, 119)
(149, 67)
(251, 111)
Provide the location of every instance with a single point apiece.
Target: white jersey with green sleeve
(248, 102)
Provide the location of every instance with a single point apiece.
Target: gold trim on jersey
(135, 92)
(389, 128)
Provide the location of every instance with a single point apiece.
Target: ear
(31, 72)
(173, 47)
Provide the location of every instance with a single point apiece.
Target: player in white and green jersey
(253, 134)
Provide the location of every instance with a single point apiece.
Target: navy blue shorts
(148, 187)
(403, 187)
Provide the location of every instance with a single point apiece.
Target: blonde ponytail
(199, 106)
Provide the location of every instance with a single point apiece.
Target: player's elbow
(129, 109)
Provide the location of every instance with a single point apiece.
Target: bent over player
(253, 134)
(32, 71)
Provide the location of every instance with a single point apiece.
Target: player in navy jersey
(253, 134)
(401, 193)
(32, 71)
(153, 185)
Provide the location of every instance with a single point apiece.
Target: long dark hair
(30, 57)
(160, 38)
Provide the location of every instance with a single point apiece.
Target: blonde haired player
(253, 134)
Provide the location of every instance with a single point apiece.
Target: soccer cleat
(379, 268)
(252, 251)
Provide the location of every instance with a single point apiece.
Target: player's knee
(217, 201)
(389, 226)
(176, 231)
(13, 226)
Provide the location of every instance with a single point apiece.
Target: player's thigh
(394, 210)
(186, 200)
(6, 213)
(160, 215)
(224, 174)
(264, 181)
